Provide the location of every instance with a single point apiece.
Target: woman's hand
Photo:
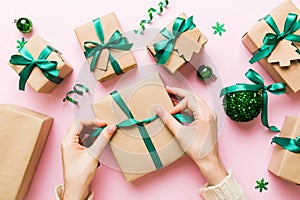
(79, 162)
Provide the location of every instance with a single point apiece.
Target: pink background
(245, 148)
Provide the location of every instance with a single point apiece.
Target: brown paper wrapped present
(105, 28)
(23, 136)
(130, 149)
(188, 42)
(37, 46)
(283, 62)
(285, 163)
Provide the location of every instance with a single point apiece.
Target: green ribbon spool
(276, 88)
(164, 48)
(131, 121)
(289, 144)
(271, 40)
(47, 67)
(94, 49)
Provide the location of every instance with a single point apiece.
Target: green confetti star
(261, 185)
(21, 43)
(219, 28)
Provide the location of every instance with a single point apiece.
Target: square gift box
(274, 41)
(105, 48)
(23, 136)
(140, 150)
(175, 45)
(40, 65)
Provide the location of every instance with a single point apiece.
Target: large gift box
(140, 149)
(105, 48)
(275, 42)
(175, 45)
(23, 136)
(285, 160)
(40, 65)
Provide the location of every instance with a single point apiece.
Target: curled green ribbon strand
(289, 144)
(76, 90)
(131, 121)
(276, 88)
(94, 49)
(164, 48)
(271, 40)
(47, 67)
(161, 6)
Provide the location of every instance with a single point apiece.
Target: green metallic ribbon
(47, 67)
(289, 144)
(76, 90)
(164, 48)
(271, 40)
(276, 88)
(131, 121)
(94, 49)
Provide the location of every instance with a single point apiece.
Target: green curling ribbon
(164, 48)
(94, 49)
(271, 40)
(161, 6)
(276, 88)
(47, 67)
(289, 144)
(76, 90)
(131, 121)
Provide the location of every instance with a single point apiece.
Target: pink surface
(245, 148)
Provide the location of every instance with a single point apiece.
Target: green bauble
(243, 106)
(24, 25)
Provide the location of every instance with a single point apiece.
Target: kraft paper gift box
(23, 136)
(43, 61)
(283, 62)
(188, 42)
(285, 163)
(127, 144)
(100, 58)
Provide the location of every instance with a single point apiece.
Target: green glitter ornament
(24, 25)
(243, 106)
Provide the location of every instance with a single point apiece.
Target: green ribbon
(94, 49)
(164, 48)
(271, 40)
(276, 88)
(131, 121)
(289, 144)
(47, 67)
(76, 90)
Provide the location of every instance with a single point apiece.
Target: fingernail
(111, 129)
(158, 110)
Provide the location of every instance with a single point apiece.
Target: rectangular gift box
(284, 163)
(23, 136)
(104, 69)
(253, 40)
(37, 79)
(127, 144)
(188, 39)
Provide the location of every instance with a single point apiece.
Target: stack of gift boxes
(108, 53)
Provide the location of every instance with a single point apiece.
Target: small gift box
(40, 65)
(142, 143)
(285, 160)
(105, 48)
(175, 44)
(23, 136)
(275, 42)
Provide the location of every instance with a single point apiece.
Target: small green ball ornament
(24, 25)
(205, 73)
(243, 106)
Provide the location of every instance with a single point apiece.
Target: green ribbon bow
(271, 40)
(164, 48)
(94, 49)
(140, 125)
(276, 88)
(47, 67)
(289, 144)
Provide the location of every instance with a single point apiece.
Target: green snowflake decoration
(21, 43)
(219, 29)
(261, 185)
